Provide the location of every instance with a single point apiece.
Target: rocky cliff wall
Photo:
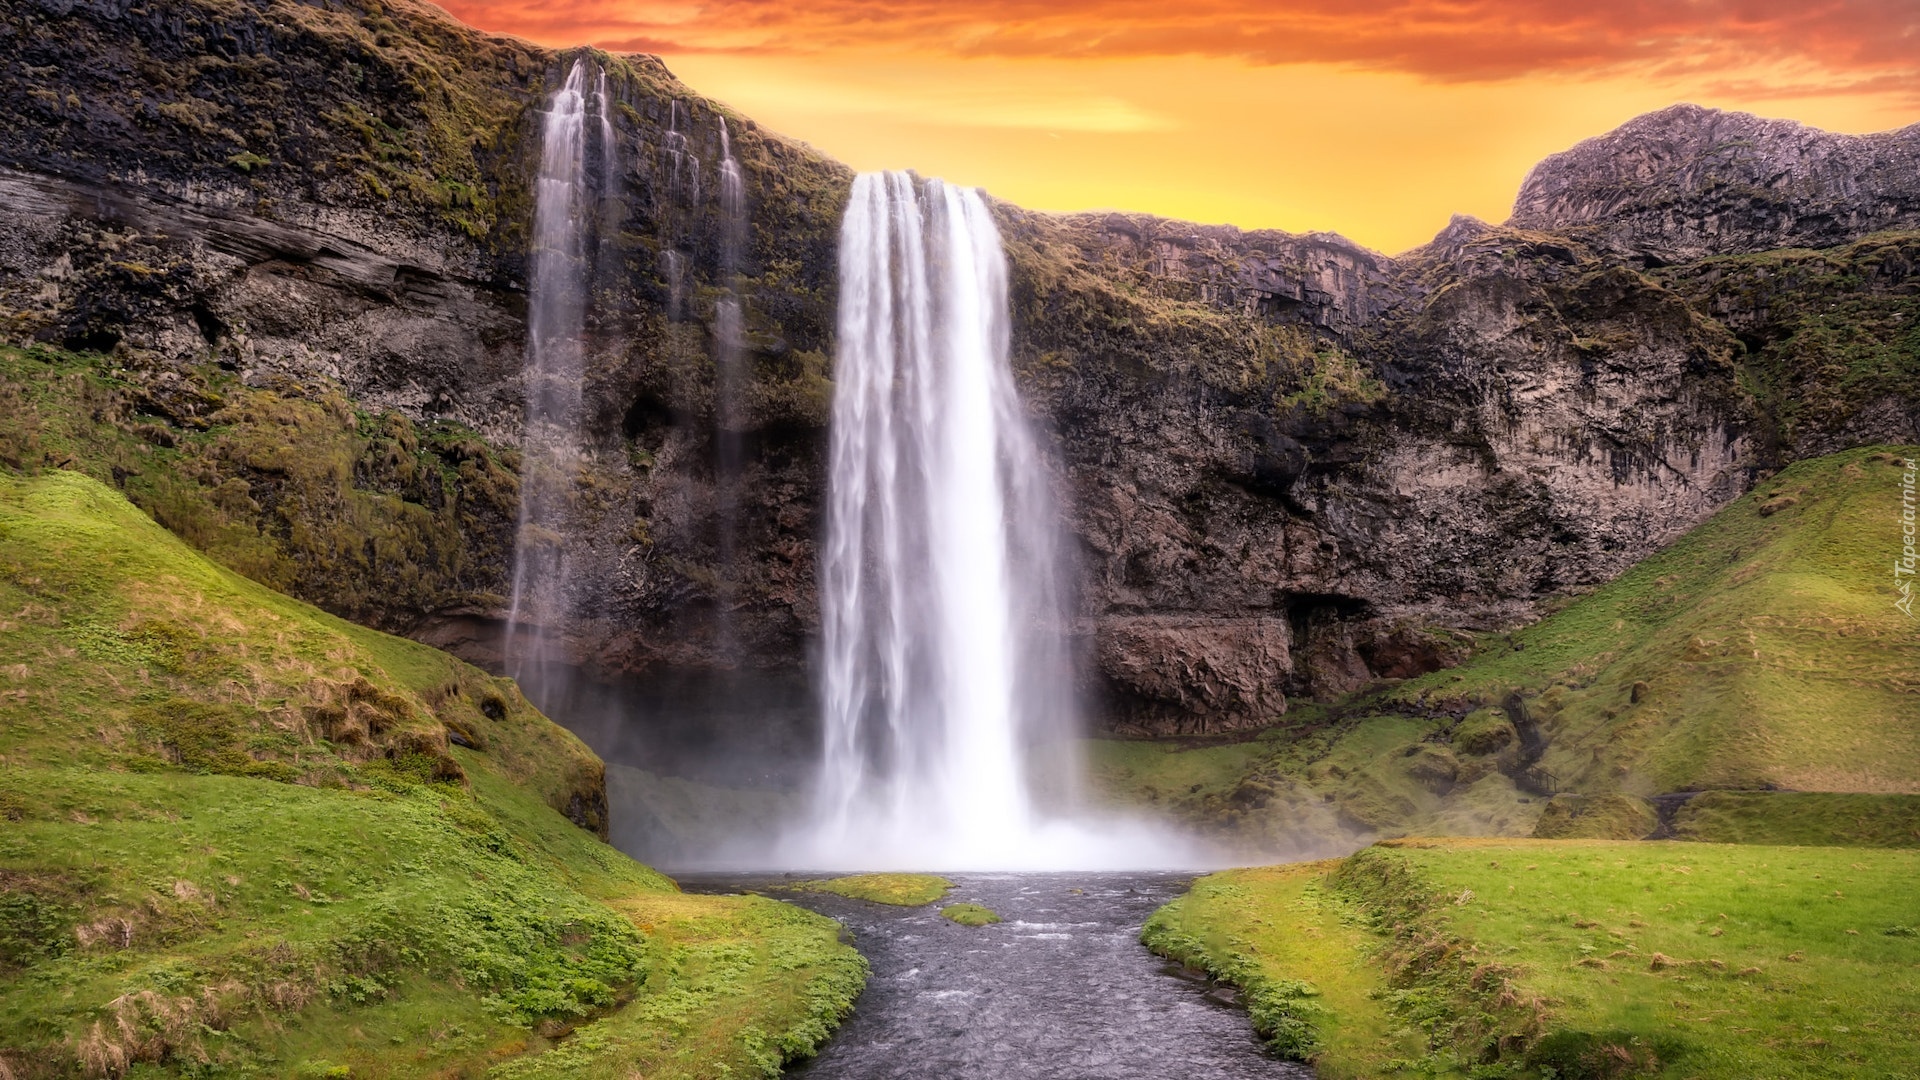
(1294, 466)
(1688, 182)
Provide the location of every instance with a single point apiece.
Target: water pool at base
(1062, 989)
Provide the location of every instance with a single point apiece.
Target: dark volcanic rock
(1686, 182)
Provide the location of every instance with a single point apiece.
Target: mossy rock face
(1483, 732)
(374, 517)
(903, 890)
(1596, 817)
(1434, 767)
(969, 914)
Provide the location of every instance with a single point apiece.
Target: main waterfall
(944, 668)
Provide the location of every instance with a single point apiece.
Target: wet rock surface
(1062, 989)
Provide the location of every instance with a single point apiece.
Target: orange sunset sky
(1374, 118)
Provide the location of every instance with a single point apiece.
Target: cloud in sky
(1375, 118)
(1838, 43)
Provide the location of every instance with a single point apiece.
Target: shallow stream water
(1061, 990)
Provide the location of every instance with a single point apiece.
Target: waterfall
(605, 109)
(733, 205)
(674, 142)
(729, 328)
(943, 619)
(682, 175)
(729, 362)
(558, 280)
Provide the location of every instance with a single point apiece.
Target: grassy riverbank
(240, 836)
(1493, 958)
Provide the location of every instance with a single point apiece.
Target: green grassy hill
(1760, 651)
(1572, 960)
(242, 837)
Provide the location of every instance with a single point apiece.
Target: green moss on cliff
(377, 518)
(1828, 333)
(244, 835)
(1761, 648)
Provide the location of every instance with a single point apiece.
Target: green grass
(1300, 960)
(244, 836)
(970, 914)
(1587, 958)
(1797, 817)
(902, 890)
(1760, 650)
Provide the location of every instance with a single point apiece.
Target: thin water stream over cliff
(1061, 990)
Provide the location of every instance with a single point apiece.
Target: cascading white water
(555, 366)
(729, 328)
(604, 106)
(733, 204)
(943, 620)
(729, 358)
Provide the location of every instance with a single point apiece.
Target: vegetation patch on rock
(369, 515)
(902, 890)
(1596, 817)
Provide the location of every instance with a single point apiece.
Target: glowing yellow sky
(1227, 116)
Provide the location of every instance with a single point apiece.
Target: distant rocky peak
(1687, 181)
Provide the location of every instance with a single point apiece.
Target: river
(1061, 990)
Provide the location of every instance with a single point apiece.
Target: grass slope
(1572, 959)
(1760, 650)
(243, 837)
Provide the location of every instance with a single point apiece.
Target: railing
(1537, 780)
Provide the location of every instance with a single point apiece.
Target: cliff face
(1293, 465)
(1686, 183)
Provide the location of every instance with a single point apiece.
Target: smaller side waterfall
(603, 106)
(729, 328)
(559, 277)
(729, 361)
(733, 205)
(682, 178)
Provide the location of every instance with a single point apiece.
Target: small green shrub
(970, 914)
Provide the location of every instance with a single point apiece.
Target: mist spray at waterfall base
(946, 679)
